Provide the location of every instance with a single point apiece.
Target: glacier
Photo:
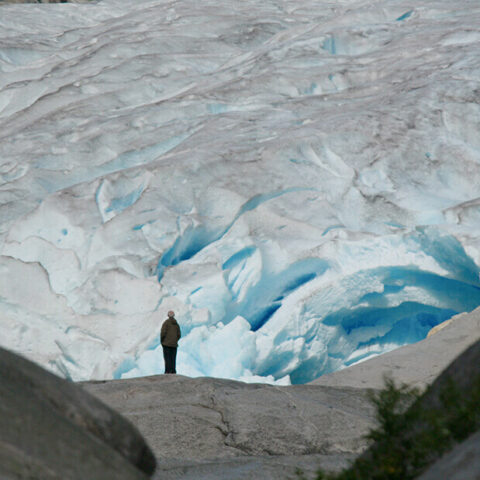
(298, 181)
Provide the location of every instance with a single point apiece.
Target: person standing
(169, 337)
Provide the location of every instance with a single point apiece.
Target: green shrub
(413, 431)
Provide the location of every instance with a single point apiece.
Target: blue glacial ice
(405, 16)
(271, 171)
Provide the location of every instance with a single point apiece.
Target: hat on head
(171, 313)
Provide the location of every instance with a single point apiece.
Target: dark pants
(170, 356)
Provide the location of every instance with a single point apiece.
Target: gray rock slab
(248, 468)
(212, 425)
(461, 463)
(417, 364)
(52, 429)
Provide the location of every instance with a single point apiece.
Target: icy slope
(299, 181)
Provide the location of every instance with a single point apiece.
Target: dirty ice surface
(298, 180)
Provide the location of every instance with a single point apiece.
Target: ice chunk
(116, 194)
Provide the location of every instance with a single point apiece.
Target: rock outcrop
(52, 429)
(417, 364)
(205, 428)
(213, 429)
(228, 429)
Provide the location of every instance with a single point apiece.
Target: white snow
(297, 180)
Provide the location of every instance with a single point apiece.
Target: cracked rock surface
(201, 427)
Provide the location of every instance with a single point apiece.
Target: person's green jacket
(170, 334)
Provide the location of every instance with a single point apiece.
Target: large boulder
(52, 429)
